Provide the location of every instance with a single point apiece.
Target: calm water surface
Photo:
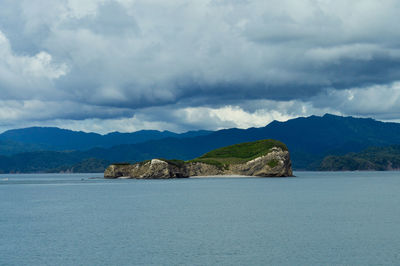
(315, 218)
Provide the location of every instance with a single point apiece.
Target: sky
(179, 65)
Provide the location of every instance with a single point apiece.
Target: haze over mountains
(309, 140)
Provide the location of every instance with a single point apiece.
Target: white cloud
(41, 66)
(363, 52)
(23, 111)
(23, 76)
(209, 64)
(87, 118)
(380, 101)
(230, 116)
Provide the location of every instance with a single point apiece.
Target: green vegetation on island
(264, 158)
(240, 153)
(233, 154)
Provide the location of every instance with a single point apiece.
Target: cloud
(23, 76)
(380, 101)
(209, 64)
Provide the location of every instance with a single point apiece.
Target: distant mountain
(8, 147)
(56, 139)
(312, 138)
(309, 140)
(91, 165)
(41, 161)
(374, 158)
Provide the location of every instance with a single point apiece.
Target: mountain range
(373, 158)
(56, 139)
(309, 139)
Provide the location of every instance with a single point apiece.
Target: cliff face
(151, 170)
(274, 164)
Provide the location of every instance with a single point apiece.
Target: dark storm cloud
(130, 58)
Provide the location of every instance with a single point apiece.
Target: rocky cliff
(272, 162)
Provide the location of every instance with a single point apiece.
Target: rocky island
(263, 158)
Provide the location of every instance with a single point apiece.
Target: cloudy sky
(180, 65)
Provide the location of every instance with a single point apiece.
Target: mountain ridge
(309, 139)
(58, 139)
(370, 159)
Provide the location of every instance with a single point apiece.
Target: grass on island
(240, 153)
(234, 154)
(273, 163)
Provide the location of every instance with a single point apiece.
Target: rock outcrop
(276, 163)
(154, 169)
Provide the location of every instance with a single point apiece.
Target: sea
(315, 218)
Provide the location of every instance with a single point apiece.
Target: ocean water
(316, 218)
